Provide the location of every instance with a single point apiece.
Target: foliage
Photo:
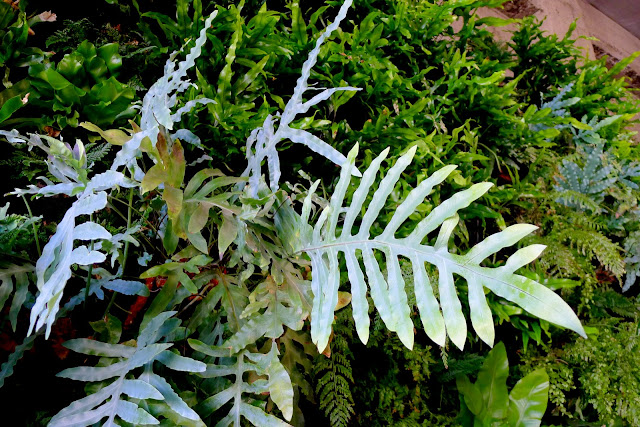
(334, 379)
(598, 375)
(15, 28)
(118, 360)
(486, 401)
(389, 296)
(260, 274)
(83, 85)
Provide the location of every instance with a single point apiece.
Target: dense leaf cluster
(296, 174)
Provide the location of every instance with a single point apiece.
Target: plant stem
(149, 223)
(126, 249)
(121, 215)
(35, 227)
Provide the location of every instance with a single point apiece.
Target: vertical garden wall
(314, 213)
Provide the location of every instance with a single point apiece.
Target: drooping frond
(334, 377)
(323, 245)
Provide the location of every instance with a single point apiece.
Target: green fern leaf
(333, 384)
(592, 244)
(323, 247)
(19, 274)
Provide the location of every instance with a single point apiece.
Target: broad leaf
(528, 399)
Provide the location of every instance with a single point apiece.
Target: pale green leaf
(528, 399)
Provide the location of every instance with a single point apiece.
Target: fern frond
(262, 142)
(278, 386)
(632, 260)
(20, 275)
(389, 296)
(617, 303)
(557, 258)
(582, 220)
(279, 311)
(109, 401)
(593, 244)
(333, 385)
(587, 185)
(97, 153)
(161, 98)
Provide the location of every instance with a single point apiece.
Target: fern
(97, 152)
(15, 231)
(557, 258)
(558, 106)
(592, 180)
(588, 134)
(69, 167)
(629, 170)
(594, 244)
(618, 304)
(632, 260)
(323, 247)
(279, 310)
(262, 142)
(14, 279)
(334, 378)
(124, 359)
(278, 385)
(159, 102)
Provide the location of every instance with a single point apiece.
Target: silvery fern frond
(262, 142)
(323, 245)
(109, 401)
(277, 385)
(161, 98)
(68, 166)
(592, 180)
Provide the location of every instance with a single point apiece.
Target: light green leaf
(280, 387)
(97, 348)
(492, 384)
(227, 233)
(154, 177)
(528, 399)
(180, 363)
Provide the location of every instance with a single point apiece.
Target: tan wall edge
(612, 38)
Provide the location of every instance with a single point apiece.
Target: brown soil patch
(633, 77)
(519, 9)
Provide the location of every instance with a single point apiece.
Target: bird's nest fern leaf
(440, 318)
